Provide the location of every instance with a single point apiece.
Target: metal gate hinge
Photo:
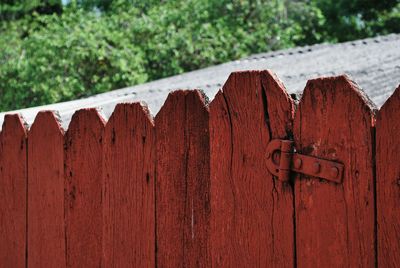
(281, 160)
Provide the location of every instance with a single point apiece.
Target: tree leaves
(100, 45)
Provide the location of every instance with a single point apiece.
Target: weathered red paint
(183, 181)
(13, 179)
(46, 230)
(194, 190)
(129, 181)
(335, 221)
(388, 181)
(252, 212)
(83, 197)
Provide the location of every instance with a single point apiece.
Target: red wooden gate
(195, 188)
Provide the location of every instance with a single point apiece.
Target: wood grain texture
(13, 180)
(183, 182)
(129, 181)
(335, 222)
(252, 212)
(388, 181)
(83, 199)
(46, 229)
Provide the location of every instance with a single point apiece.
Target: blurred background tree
(17, 9)
(55, 50)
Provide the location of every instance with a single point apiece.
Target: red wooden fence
(192, 187)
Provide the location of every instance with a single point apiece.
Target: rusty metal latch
(281, 160)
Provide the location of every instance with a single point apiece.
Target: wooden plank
(335, 222)
(129, 181)
(83, 203)
(388, 181)
(183, 183)
(46, 231)
(13, 180)
(252, 212)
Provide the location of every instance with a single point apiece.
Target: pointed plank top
(49, 120)
(178, 95)
(140, 108)
(343, 84)
(392, 102)
(86, 116)
(15, 124)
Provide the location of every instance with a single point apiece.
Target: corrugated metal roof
(373, 63)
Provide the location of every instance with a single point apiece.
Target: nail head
(316, 168)
(297, 163)
(334, 172)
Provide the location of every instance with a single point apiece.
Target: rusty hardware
(282, 160)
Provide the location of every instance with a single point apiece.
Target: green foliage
(51, 53)
(349, 20)
(67, 57)
(16, 9)
(182, 36)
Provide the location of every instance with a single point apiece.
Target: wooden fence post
(183, 181)
(335, 221)
(83, 200)
(46, 230)
(252, 212)
(388, 181)
(13, 180)
(129, 198)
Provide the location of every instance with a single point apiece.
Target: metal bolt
(298, 163)
(334, 172)
(316, 168)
